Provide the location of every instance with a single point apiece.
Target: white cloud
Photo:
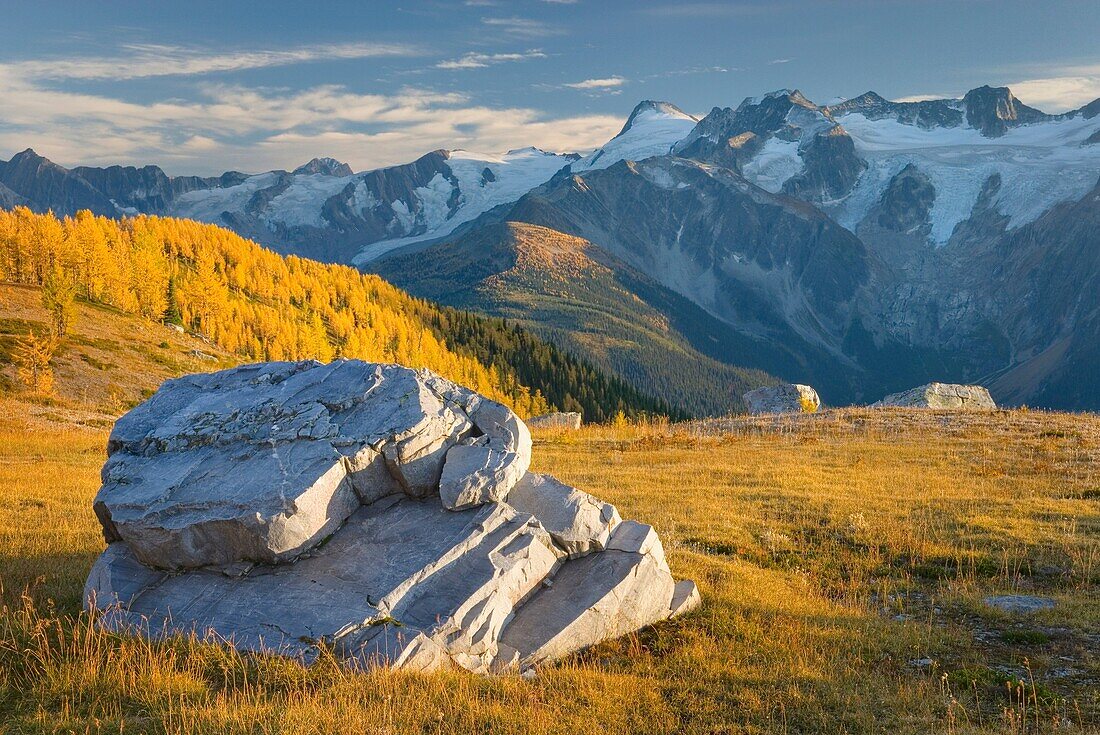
(1061, 93)
(253, 129)
(923, 97)
(521, 27)
(474, 60)
(1060, 90)
(712, 10)
(605, 83)
(144, 61)
(475, 129)
(691, 70)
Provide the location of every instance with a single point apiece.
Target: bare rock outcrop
(379, 511)
(787, 398)
(941, 395)
(558, 420)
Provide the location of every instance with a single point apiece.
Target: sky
(203, 87)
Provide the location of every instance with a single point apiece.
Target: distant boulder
(941, 395)
(787, 398)
(557, 420)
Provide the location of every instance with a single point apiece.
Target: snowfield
(1041, 165)
(300, 204)
(651, 132)
(207, 205)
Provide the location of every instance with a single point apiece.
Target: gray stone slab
(685, 598)
(578, 522)
(485, 469)
(592, 599)
(250, 464)
(454, 576)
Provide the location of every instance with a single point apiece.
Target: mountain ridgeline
(258, 305)
(863, 247)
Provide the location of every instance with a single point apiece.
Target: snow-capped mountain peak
(988, 141)
(652, 129)
(647, 110)
(985, 147)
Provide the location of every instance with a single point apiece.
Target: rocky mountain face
(924, 114)
(757, 261)
(581, 297)
(320, 209)
(43, 185)
(863, 247)
(989, 110)
(325, 166)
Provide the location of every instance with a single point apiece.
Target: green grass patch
(1025, 637)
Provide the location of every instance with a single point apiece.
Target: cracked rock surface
(941, 395)
(379, 511)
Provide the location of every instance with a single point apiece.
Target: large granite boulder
(941, 395)
(557, 420)
(381, 512)
(787, 398)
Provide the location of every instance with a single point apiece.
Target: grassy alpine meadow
(843, 560)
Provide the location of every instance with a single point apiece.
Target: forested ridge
(259, 305)
(567, 382)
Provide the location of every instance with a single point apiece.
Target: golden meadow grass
(842, 559)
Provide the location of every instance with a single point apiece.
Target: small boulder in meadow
(786, 398)
(942, 396)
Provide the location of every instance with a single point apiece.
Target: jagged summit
(529, 150)
(324, 166)
(775, 110)
(993, 110)
(869, 100)
(792, 96)
(870, 97)
(924, 114)
(653, 108)
(29, 156)
(990, 110)
(732, 137)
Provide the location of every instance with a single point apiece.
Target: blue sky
(202, 87)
